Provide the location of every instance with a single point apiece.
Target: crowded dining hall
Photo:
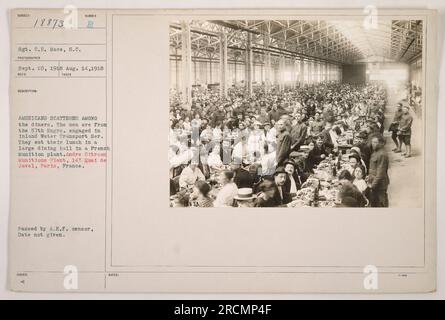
(269, 114)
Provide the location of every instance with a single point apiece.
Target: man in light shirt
(268, 162)
(190, 175)
(228, 190)
(271, 136)
(240, 151)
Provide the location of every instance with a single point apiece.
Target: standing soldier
(284, 142)
(378, 171)
(405, 131)
(394, 127)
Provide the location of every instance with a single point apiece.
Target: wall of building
(393, 74)
(354, 73)
(415, 73)
(207, 72)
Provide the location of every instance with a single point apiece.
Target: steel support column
(309, 72)
(267, 65)
(281, 70)
(186, 50)
(294, 74)
(223, 65)
(302, 80)
(249, 64)
(328, 72)
(325, 75)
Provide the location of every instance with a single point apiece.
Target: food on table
(312, 183)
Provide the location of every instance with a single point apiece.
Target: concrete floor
(406, 174)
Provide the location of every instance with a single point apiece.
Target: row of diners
(289, 113)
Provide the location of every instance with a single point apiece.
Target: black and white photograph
(296, 113)
(302, 148)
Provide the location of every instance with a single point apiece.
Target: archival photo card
(223, 151)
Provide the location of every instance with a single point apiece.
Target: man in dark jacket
(317, 153)
(298, 133)
(378, 170)
(317, 126)
(284, 142)
(243, 178)
(218, 116)
(282, 196)
(268, 194)
(275, 114)
(326, 136)
(294, 179)
(365, 150)
(394, 127)
(348, 189)
(404, 131)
